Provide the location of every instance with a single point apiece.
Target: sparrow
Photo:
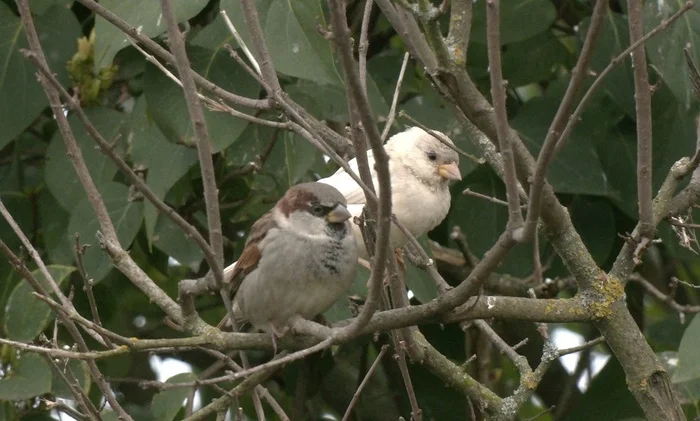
(421, 167)
(299, 258)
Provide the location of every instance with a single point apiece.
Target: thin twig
(240, 42)
(374, 365)
(79, 251)
(395, 99)
(585, 345)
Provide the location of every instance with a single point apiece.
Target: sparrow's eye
(318, 210)
(432, 156)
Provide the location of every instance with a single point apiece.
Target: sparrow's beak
(449, 171)
(338, 214)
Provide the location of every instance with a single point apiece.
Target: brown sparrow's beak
(338, 214)
(449, 171)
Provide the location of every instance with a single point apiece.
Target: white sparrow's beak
(449, 171)
(338, 214)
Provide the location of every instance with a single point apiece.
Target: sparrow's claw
(277, 333)
(400, 260)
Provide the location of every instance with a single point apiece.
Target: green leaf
(20, 207)
(519, 20)
(59, 174)
(299, 155)
(26, 316)
(168, 108)
(78, 369)
(618, 157)
(167, 404)
(146, 16)
(39, 7)
(535, 59)
(165, 162)
(577, 168)
(491, 217)
(54, 222)
(418, 280)
(170, 239)
(126, 217)
(688, 356)
(665, 50)
(296, 47)
(594, 219)
(31, 377)
(607, 397)
(21, 96)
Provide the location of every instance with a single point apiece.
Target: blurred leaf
(296, 46)
(171, 240)
(577, 168)
(25, 315)
(126, 217)
(54, 221)
(618, 157)
(613, 39)
(519, 20)
(299, 155)
(607, 397)
(168, 108)
(146, 16)
(594, 220)
(20, 207)
(535, 59)
(21, 96)
(59, 174)
(482, 221)
(688, 355)
(30, 377)
(76, 368)
(39, 7)
(167, 404)
(418, 280)
(165, 162)
(665, 50)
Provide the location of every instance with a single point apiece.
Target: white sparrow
(421, 168)
(299, 258)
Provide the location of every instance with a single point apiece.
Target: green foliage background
(145, 114)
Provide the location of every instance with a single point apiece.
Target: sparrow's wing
(342, 181)
(235, 273)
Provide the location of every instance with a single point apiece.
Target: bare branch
(642, 95)
(341, 34)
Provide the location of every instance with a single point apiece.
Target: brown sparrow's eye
(432, 156)
(318, 210)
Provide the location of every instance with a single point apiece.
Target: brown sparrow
(299, 258)
(421, 168)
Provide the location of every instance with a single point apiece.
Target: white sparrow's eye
(318, 210)
(432, 156)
